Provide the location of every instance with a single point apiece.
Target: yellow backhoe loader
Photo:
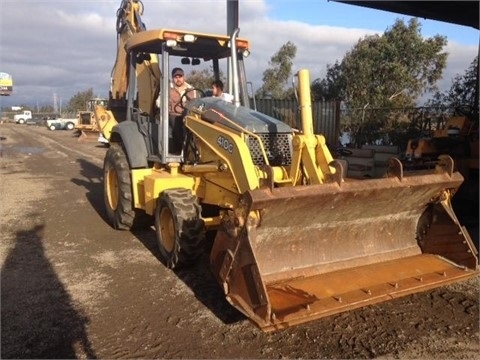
(295, 239)
(87, 121)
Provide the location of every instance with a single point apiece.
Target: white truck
(62, 124)
(23, 117)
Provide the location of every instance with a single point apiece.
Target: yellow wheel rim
(167, 229)
(112, 188)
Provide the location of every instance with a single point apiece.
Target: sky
(55, 49)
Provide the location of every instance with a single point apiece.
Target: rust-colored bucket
(301, 253)
(89, 135)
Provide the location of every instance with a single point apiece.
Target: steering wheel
(184, 98)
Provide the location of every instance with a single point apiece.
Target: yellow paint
(150, 183)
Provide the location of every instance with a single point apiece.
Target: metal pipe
(305, 102)
(233, 48)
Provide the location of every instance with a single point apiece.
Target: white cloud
(317, 46)
(63, 47)
(459, 58)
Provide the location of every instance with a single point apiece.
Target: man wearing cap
(178, 88)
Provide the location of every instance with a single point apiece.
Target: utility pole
(55, 105)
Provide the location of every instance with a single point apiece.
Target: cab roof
(204, 46)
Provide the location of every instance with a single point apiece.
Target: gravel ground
(72, 287)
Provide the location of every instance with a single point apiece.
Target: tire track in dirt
(97, 292)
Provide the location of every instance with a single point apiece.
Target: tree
(202, 79)
(389, 70)
(277, 76)
(46, 109)
(79, 100)
(329, 88)
(463, 91)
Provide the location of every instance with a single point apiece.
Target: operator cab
(164, 50)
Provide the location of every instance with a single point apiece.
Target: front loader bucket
(88, 135)
(88, 132)
(295, 254)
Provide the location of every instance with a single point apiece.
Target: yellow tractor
(87, 123)
(457, 136)
(295, 239)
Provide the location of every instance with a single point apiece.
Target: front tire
(52, 127)
(118, 198)
(179, 228)
(70, 126)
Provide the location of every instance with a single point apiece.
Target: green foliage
(46, 109)
(79, 100)
(389, 70)
(203, 79)
(329, 88)
(462, 91)
(275, 78)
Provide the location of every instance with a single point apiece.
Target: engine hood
(245, 117)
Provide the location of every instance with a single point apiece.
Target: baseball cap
(177, 71)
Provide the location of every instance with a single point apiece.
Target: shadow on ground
(91, 178)
(198, 278)
(38, 317)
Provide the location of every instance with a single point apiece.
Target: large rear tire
(118, 196)
(179, 227)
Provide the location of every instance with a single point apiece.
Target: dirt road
(72, 287)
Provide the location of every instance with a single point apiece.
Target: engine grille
(278, 147)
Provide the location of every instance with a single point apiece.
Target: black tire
(179, 228)
(70, 126)
(52, 127)
(118, 198)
